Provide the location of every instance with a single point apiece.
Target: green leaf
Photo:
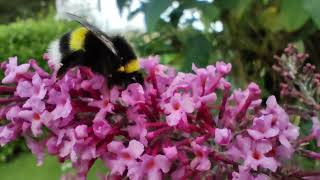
(197, 50)
(236, 7)
(242, 7)
(154, 8)
(269, 19)
(226, 4)
(312, 7)
(210, 12)
(292, 15)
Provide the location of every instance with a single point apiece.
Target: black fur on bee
(111, 56)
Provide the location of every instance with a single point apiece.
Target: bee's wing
(98, 33)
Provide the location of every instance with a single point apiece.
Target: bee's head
(124, 49)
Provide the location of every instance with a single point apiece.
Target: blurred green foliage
(30, 38)
(24, 167)
(253, 31)
(12, 10)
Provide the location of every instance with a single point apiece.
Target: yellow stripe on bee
(131, 67)
(121, 69)
(77, 39)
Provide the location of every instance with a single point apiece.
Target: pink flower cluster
(177, 125)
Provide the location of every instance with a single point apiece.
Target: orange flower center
(150, 164)
(36, 116)
(126, 156)
(176, 106)
(199, 154)
(256, 155)
(105, 103)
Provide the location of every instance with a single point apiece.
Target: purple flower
(316, 129)
(164, 75)
(238, 104)
(81, 131)
(105, 104)
(133, 95)
(8, 133)
(177, 109)
(223, 68)
(287, 131)
(149, 63)
(200, 161)
(171, 152)
(244, 174)
(256, 157)
(62, 101)
(52, 145)
(194, 121)
(66, 142)
(124, 157)
(12, 70)
(150, 167)
(239, 148)
(138, 131)
(281, 117)
(262, 128)
(13, 112)
(222, 136)
(95, 83)
(35, 89)
(101, 128)
(36, 119)
(37, 148)
(35, 103)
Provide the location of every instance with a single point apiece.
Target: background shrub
(30, 38)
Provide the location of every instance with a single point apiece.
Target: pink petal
(204, 164)
(26, 114)
(271, 132)
(115, 146)
(135, 148)
(24, 89)
(23, 68)
(255, 134)
(117, 167)
(36, 127)
(263, 147)
(187, 104)
(154, 174)
(284, 141)
(173, 119)
(163, 163)
(171, 152)
(269, 163)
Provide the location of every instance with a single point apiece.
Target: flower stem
(10, 100)
(7, 88)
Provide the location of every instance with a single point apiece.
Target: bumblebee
(111, 56)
